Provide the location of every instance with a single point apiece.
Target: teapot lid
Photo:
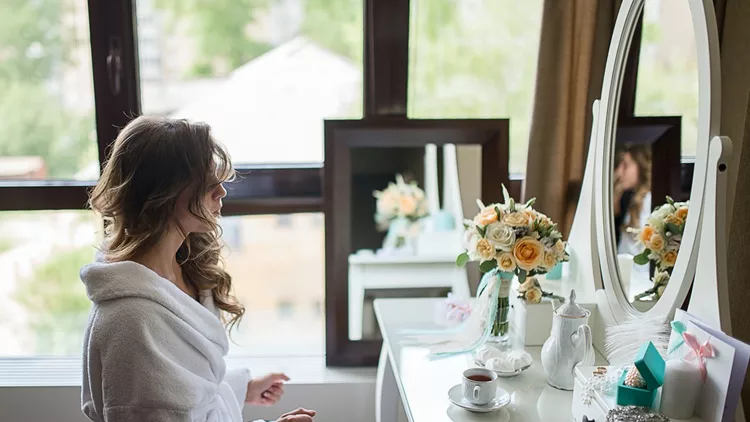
(571, 309)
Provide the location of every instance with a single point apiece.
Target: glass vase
(500, 329)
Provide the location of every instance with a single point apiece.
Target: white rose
(501, 236)
(471, 237)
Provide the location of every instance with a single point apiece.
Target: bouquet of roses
(512, 238)
(661, 238)
(399, 200)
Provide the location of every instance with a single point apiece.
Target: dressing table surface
(407, 378)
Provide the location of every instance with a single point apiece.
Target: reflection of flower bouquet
(531, 291)
(399, 200)
(513, 239)
(661, 238)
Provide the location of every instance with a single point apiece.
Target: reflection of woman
(632, 195)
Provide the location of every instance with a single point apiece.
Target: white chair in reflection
(434, 263)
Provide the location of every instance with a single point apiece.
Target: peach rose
(486, 217)
(682, 213)
(407, 205)
(529, 253)
(506, 262)
(530, 214)
(533, 295)
(549, 260)
(559, 247)
(645, 235)
(516, 219)
(656, 243)
(674, 219)
(669, 258)
(485, 250)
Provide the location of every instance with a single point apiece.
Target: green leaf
(670, 201)
(673, 228)
(512, 206)
(506, 195)
(482, 231)
(521, 276)
(488, 266)
(642, 259)
(530, 203)
(462, 259)
(499, 213)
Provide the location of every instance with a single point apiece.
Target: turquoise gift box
(651, 365)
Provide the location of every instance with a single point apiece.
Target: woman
(632, 195)
(155, 344)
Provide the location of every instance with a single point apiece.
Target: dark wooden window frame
(340, 137)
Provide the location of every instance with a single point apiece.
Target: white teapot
(569, 344)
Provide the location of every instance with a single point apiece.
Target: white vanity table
(420, 385)
(407, 379)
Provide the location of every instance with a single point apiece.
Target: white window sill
(66, 371)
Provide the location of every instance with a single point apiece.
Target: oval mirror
(647, 206)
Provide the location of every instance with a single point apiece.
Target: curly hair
(152, 161)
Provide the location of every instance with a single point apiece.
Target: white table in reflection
(409, 383)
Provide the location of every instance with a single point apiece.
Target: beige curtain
(572, 53)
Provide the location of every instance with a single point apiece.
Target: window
(263, 74)
(668, 67)
(476, 59)
(43, 307)
(47, 130)
(277, 274)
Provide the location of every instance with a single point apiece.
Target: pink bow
(698, 351)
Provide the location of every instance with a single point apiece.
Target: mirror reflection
(405, 210)
(649, 187)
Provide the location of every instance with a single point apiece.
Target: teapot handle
(583, 337)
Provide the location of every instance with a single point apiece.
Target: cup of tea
(479, 385)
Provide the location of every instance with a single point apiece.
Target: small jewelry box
(650, 365)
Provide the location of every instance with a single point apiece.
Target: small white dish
(503, 374)
(456, 396)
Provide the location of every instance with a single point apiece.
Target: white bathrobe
(152, 353)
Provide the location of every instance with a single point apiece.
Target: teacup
(479, 385)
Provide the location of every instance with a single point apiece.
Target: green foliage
(673, 228)
(38, 125)
(488, 266)
(642, 258)
(476, 62)
(462, 259)
(31, 39)
(336, 25)
(220, 29)
(56, 302)
(34, 44)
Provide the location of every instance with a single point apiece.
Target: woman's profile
(155, 340)
(632, 195)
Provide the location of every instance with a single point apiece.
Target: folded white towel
(152, 353)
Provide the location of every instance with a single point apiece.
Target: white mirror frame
(709, 100)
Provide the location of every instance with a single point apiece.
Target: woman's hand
(266, 390)
(299, 415)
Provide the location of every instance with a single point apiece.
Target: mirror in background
(648, 217)
(406, 226)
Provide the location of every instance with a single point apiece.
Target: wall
(338, 402)
(735, 123)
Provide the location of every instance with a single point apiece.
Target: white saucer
(502, 374)
(456, 396)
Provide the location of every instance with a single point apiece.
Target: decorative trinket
(634, 414)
